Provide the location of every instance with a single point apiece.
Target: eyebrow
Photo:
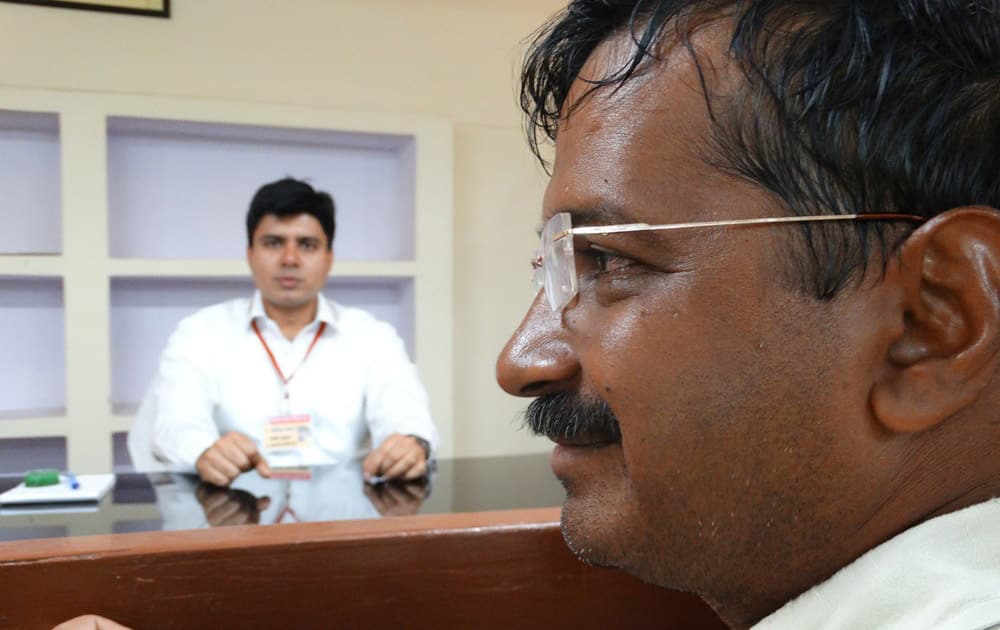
(600, 215)
(593, 215)
(297, 237)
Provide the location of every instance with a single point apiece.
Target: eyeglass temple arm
(642, 227)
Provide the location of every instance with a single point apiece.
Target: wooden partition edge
(221, 538)
(503, 569)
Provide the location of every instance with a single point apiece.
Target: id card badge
(288, 433)
(292, 473)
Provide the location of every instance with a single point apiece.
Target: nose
(537, 359)
(290, 255)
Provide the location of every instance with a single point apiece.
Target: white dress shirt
(943, 574)
(215, 377)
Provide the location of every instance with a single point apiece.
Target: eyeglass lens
(557, 261)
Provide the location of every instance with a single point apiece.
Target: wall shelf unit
(127, 214)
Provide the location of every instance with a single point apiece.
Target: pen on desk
(73, 483)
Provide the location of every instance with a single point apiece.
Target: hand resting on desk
(398, 457)
(232, 454)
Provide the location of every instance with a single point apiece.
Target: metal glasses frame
(554, 266)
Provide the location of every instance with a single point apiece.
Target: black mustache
(570, 417)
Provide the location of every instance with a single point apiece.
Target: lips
(288, 282)
(567, 460)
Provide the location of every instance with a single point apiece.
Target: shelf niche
(121, 461)
(30, 183)
(180, 189)
(19, 455)
(145, 311)
(33, 336)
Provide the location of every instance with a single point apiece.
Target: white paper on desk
(36, 509)
(92, 488)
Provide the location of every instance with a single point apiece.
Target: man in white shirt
(287, 377)
(768, 344)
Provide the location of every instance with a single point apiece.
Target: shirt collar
(944, 566)
(325, 311)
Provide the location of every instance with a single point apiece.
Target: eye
(600, 261)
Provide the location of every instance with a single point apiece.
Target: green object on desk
(38, 478)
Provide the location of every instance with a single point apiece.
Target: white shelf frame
(86, 267)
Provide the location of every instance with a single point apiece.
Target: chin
(288, 299)
(594, 530)
(602, 527)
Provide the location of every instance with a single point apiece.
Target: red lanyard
(285, 381)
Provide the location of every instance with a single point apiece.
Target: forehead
(640, 149)
(298, 225)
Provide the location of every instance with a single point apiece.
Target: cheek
(676, 373)
(312, 267)
(652, 353)
(265, 259)
(258, 266)
(320, 265)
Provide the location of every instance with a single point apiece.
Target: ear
(949, 270)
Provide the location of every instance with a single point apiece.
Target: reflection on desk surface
(167, 501)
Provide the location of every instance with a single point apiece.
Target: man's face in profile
(289, 259)
(734, 393)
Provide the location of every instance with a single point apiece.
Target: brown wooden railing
(506, 569)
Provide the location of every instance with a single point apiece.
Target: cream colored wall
(453, 58)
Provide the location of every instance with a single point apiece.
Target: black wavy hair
(845, 105)
(288, 197)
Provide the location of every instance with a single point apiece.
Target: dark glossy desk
(472, 557)
(140, 502)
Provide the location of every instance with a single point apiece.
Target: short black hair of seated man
(288, 197)
(743, 412)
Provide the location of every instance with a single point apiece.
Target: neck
(291, 320)
(973, 479)
(743, 614)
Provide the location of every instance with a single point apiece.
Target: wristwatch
(424, 444)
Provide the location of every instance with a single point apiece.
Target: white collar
(325, 311)
(941, 574)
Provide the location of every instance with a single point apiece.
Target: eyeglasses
(554, 268)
